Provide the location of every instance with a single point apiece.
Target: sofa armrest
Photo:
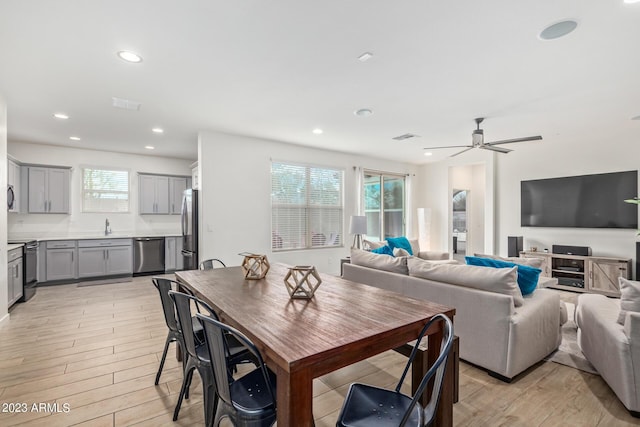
(632, 327)
(433, 255)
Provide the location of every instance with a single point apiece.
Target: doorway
(460, 223)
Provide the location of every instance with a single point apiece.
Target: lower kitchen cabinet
(173, 253)
(14, 276)
(104, 257)
(61, 260)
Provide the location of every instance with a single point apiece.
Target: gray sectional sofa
(499, 329)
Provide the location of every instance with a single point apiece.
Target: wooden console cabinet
(591, 274)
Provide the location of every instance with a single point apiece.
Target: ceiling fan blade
(448, 146)
(460, 152)
(498, 149)
(511, 141)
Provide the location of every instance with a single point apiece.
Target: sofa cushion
(531, 262)
(629, 297)
(527, 276)
(400, 252)
(400, 242)
(379, 262)
(383, 250)
(415, 246)
(498, 280)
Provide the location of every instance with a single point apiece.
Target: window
(384, 205)
(306, 207)
(105, 190)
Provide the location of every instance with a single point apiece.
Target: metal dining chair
(210, 264)
(248, 401)
(197, 355)
(369, 406)
(175, 333)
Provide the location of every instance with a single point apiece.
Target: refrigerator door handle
(184, 216)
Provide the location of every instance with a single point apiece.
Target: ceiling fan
(477, 141)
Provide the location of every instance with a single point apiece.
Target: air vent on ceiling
(406, 136)
(126, 104)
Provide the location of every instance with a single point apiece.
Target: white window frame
(381, 221)
(310, 209)
(85, 190)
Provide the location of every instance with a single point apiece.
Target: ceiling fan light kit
(477, 141)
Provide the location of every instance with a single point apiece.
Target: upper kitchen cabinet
(13, 187)
(47, 189)
(177, 185)
(154, 194)
(160, 194)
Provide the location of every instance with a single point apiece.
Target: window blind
(306, 207)
(105, 190)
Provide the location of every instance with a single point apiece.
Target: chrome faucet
(107, 227)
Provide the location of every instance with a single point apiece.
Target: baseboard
(4, 319)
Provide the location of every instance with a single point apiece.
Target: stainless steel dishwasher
(148, 255)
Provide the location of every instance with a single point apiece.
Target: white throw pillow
(415, 246)
(373, 245)
(498, 280)
(379, 261)
(397, 252)
(629, 297)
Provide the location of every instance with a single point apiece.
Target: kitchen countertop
(13, 246)
(82, 236)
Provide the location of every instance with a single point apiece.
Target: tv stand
(592, 274)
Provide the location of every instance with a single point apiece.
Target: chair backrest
(215, 333)
(436, 371)
(183, 308)
(164, 286)
(210, 264)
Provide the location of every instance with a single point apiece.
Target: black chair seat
(367, 406)
(250, 393)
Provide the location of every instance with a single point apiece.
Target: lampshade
(358, 224)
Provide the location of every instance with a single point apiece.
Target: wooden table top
(296, 334)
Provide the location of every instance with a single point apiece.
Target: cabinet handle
(72, 256)
(16, 269)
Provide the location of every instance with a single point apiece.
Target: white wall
(235, 197)
(3, 212)
(77, 222)
(557, 157)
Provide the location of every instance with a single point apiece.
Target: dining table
(301, 339)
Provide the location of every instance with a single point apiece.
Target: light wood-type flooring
(94, 352)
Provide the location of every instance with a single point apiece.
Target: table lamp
(357, 227)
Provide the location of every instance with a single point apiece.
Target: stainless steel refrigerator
(190, 229)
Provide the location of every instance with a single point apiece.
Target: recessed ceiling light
(61, 116)
(428, 154)
(363, 112)
(149, 147)
(365, 57)
(317, 131)
(129, 56)
(74, 138)
(157, 130)
(557, 30)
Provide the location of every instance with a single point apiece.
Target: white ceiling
(279, 69)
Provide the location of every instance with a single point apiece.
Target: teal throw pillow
(400, 242)
(527, 276)
(384, 250)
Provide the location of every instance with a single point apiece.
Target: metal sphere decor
(254, 266)
(302, 281)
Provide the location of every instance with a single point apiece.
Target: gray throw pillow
(629, 297)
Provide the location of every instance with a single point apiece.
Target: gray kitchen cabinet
(48, 189)
(154, 194)
(13, 181)
(61, 260)
(173, 253)
(177, 185)
(14, 276)
(104, 257)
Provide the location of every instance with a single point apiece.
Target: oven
(30, 268)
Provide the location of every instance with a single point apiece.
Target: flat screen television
(586, 201)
